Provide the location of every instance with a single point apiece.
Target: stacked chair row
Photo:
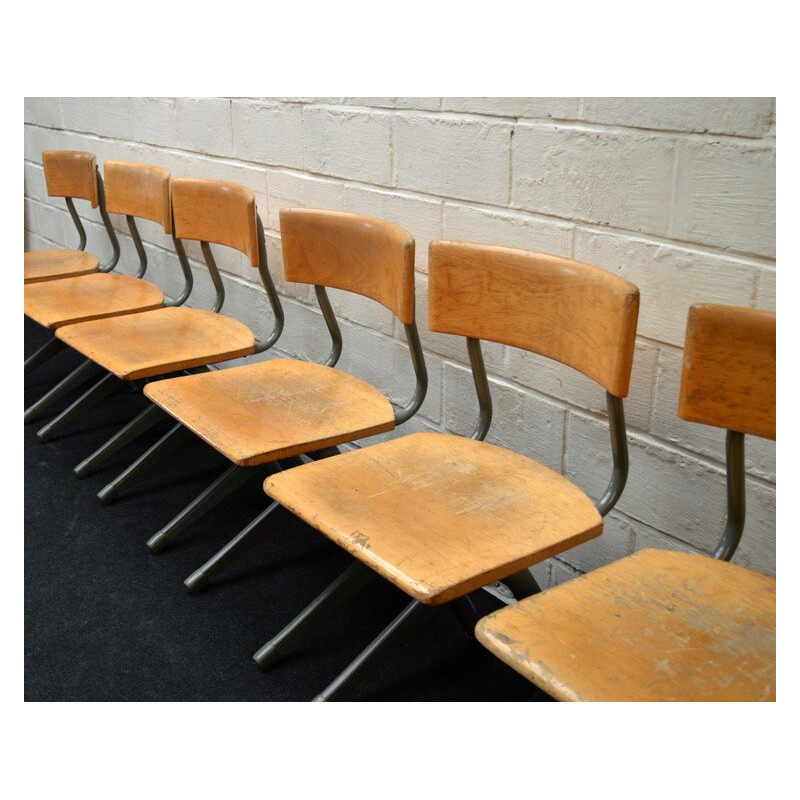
(437, 515)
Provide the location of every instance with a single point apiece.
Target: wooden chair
(72, 175)
(137, 347)
(664, 625)
(279, 409)
(135, 190)
(441, 515)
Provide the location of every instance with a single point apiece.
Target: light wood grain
(729, 374)
(57, 303)
(439, 515)
(161, 341)
(216, 211)
(54, 263)
(138, 190)
(274, 409)
(360, 254)
(657, 625)
(575, 313)
(71, 173)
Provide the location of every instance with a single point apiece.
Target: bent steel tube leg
(231, 479)
(467, 614)
(135, 428)
(240, 543)
(166, 445)
(104, 387)
(44, 353)
(522, 584)
(78, 376)
(351, 581)
(396, 633)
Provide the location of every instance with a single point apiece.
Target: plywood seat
(88, 297)
(262, 412)
(56, 262)
(439, 515)
(657, 625)
(156, 342)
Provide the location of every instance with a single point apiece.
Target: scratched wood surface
(657, 625)
(57, 303)
(275, 409)
(71, 173)
(354, 252)
(575, 313)
(216, 211)
(728, 377)
(138, 190)
(156, 342)
(439, 515)
(56, 262)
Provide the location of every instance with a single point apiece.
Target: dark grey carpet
(106, 620)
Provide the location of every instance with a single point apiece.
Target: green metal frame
(734, 478)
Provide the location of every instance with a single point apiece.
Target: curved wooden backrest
(138, 190)
(216, 211)
(71, 173)
(728, 377)
(580, 315)
(361, 254)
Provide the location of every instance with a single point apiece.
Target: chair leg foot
(351, 581)
(129, 433)
(176, 437)
(104, 387)
(241, 543)
(231, 479)
(395, 634)
(78, 376)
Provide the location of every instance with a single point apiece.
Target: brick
(531, 107)
(615, 542)
(362, 310)
(296, 190)
(154, 120)
(739, 116)
(520, 422)
(408, 103)
(726, 196)
(51, 221)
(667, 490)
(268, 132)
(44, 111)
(453, 157)
(608, 178)
(420, 216)
(758, 544)
(348, 144)
(386, 364)
(670, 278)
(566, 384)
(703, 439)
(561, 572)
(35, 187)
(765, 289)
(80, 113)
(509, 228)
(204, 125)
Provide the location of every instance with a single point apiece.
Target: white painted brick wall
(675, 194)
